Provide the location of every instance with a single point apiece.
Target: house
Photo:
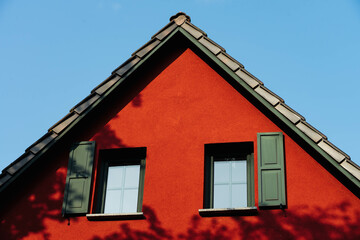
(181, 142)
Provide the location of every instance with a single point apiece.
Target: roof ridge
(180, 15)
(241, 75)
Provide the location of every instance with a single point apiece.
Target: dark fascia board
(225, 68)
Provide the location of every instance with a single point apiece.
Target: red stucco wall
(186, 106)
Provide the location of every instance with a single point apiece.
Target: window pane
(130, 200)
(238, 171)
(112, 201)
(115, 176)
(122, 189)
(132, 176)
(221, 171)
(230, 189)
(221, 196)
(239, 195)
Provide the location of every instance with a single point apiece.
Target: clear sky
(53, 53)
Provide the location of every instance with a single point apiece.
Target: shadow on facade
(37, 198)
(33, 209)
(107, 139)
(332, 222)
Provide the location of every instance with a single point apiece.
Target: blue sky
(52, 53)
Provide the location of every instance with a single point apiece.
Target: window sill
(217, 212)
(114, 216)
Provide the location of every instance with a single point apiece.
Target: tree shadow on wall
(107, 137)
(137, 101)
(304, 223)
(154, 231)
(23, 210)
(37, 197)
(33, 209)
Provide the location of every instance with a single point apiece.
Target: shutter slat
(271, 169)
(78, 180)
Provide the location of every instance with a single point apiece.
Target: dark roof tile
(146, 48)
(64, 122)
(106, 85)
(103, 82)
(124, 68)
(84, 104)
(4, 178)
(165, 31)
(25, 158)
(42, 142)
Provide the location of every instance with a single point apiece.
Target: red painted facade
(185, 106)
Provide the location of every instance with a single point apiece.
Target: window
(120, 183)
(229, 175)
(122, 180)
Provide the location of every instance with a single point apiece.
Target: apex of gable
(180, 18)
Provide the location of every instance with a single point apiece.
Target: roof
(181, 23)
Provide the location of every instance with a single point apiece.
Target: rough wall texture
(184, 107)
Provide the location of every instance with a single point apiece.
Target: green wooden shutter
(271, 168)
(78, 180)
